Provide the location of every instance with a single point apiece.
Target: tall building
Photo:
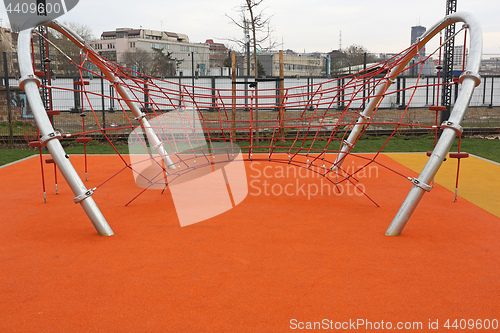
(460, 54)
(416, 32)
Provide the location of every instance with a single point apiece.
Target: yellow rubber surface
(479, 180)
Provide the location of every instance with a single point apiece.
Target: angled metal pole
(469, 80)
(49, 137)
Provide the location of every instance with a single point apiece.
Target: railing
(216, 91)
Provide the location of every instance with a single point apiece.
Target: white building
(115, 45)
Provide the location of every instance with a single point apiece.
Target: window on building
(157, 46)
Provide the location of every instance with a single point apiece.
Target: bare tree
(352, 56)
(156, 62)
(163, 63)
(6, 45)
(252, 19)
(139, 60)
(355, 54)
(82, 30)
(60, 63)
(256, 27)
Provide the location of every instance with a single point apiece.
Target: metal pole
(484, 91)
(214, 93)
(282, 93)
(233, 93)
(469, 79)
(7, 92)
(50, 137)
(491, 96)
(103, 105)
(247, 45)
(192, 72)
(403, 93)
(427, 92)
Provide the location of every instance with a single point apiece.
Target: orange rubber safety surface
(274, 263)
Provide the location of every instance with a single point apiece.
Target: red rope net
(306, 126)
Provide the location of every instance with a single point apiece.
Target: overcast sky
(301, 25)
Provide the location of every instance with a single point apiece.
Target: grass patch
(487, 148)
(11, 155)
(94, 147)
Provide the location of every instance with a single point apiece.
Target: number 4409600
(33, 8)
(471, 324)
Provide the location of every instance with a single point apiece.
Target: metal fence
(206, 91)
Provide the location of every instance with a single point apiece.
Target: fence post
(7, 92)
(398, 91)
(427, 92)
(103, 104)
(233, 93)
(282, 93)
(214, 95)
(403, 93)
(484, 90)
(491, 100)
